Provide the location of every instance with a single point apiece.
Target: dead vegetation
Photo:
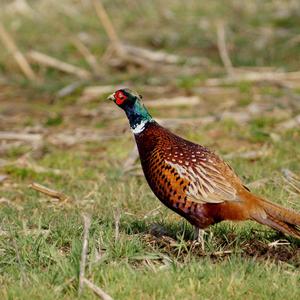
(59, 137)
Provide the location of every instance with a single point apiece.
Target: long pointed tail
(277, 217)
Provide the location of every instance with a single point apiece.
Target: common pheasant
(192, 180)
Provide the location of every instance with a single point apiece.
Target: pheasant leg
(199, 236)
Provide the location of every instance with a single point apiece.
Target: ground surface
(81, 148)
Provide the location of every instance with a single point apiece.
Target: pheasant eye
(120, 97)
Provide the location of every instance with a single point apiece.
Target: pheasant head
(131, 103)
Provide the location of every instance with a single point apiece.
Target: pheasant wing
(206, 183)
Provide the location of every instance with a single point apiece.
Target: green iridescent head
(131, 102)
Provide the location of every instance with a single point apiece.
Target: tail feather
(285, 220)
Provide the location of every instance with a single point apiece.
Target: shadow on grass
(222, 241)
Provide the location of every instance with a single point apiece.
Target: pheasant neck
(138, 117)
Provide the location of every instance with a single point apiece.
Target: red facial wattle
(120, 97)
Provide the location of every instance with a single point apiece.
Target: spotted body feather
(178, 174)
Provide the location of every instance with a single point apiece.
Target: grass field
(80, 148)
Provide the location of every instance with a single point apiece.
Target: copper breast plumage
(183, 175)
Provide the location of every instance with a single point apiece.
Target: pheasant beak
(111, 97)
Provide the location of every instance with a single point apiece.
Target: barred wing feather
(207, 185)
